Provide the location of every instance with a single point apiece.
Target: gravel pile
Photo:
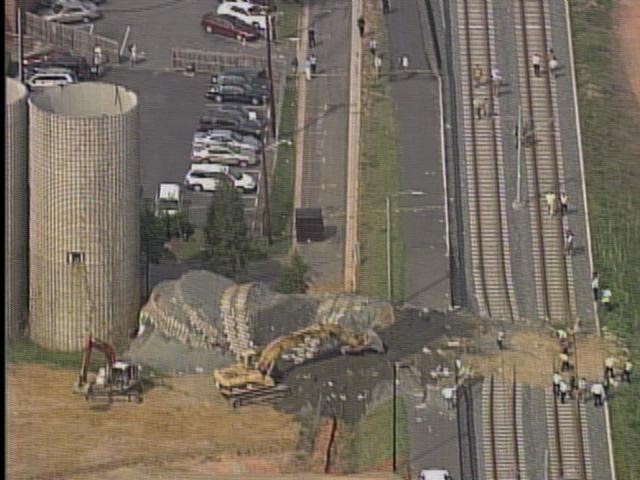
(205, 318)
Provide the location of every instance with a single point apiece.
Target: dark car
(60, 59)
(243, 111)
(237, 93)
(231, 122)
(229, 26)
(240, 76)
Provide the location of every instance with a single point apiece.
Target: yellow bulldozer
(255, 368)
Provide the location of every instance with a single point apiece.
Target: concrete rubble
(203, 311)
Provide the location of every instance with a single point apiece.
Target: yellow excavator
(255, 368)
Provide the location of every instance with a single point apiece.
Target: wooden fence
(69, 38)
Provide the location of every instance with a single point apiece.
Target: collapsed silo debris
(203, 310)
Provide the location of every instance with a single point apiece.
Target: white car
(210, 177)
(226, 137)
(73, 11)
(223, 154)
(50, 77)
(249, 13)
(434, 474)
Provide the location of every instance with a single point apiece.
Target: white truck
(168, 199)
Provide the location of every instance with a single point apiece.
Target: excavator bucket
(372, 342)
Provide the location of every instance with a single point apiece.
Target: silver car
(226, 137)
(72, 11)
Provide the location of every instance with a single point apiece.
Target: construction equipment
(255, 372)
(115, 379)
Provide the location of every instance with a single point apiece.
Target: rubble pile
(205, 311)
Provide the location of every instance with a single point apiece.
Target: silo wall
(16, 209)
(84, 214)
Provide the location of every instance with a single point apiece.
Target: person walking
(312, 38)
(553, 66)
(385, 6)
(565, 366)
(564, 203)
(496, 80)
(294, 66)
(477, 74)
(404, 64)
(582, 389)
(377, 64)
(550, 199)
(480, 106)
(361, 24)
(307, 69)
(449, 395)
(500, 340)
(609, 363)
(535, 61)
(562, 335)
(557, 378)
(573, 386)
(133, 55)
(564, 389)
(597, 391)
(605, 299)
(569, 236)
(373, 47)
(595, 285)
(626, 371)
(313, 60)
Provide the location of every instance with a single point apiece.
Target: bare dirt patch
(183, 424)
(628, 22)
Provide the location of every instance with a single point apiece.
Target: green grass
(611, 142)
(192, 250)
(288, 21)
(25, 351)
(379, 175)
(371, 444)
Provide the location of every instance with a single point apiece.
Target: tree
(151, 237)
(226, 233)
(293, 278)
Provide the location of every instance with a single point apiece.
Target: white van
(50, 77)
(249, 13)
(209, 177)
(168, 199)
(434, 474)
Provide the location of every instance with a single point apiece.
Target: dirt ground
(183, 426)
(628, 32)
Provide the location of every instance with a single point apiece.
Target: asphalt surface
(324, 170)
(418, 115)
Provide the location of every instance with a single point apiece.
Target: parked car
(242, 80)
(223, 154)
(434, 474)
(229, 26)
(263, 3)
(168, 199)
(50, 77)
(72, 11)
(237, 93)
(241, 111)
(231, 122)
(211, 177)
(249, 13)
(60, 59)
(226, 137)
(249, 75)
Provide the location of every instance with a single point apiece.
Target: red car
(229, 27)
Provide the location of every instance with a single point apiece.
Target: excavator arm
(90, 345)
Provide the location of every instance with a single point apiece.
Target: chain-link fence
(78, 40)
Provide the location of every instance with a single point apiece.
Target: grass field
(371, 443)
(379, 176)
(611, 142)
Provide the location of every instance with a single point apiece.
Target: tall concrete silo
(16, 208)
(84, 214)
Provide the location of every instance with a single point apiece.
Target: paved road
(418, 120)
(324, 169)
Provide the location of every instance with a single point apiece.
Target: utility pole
(20, 45)
(519, 137)
(272, 99)
(266, 220)
(388, 222)
(393, 448)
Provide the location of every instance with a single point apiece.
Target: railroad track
(568, 440)
(490, 248)
(555, 295)
(502, 438)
